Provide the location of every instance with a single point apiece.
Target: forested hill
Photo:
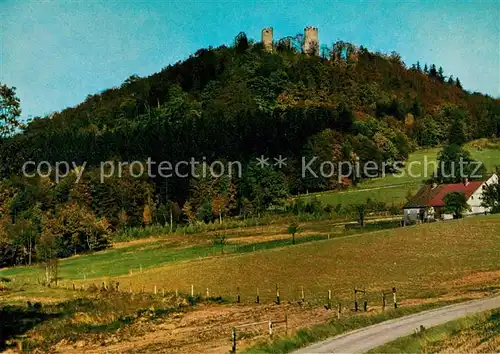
(237, 103)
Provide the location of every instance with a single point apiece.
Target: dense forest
(231, 103)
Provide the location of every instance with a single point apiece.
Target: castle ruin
(311, 42)
(267, 38)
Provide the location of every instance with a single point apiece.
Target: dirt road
(368, 338)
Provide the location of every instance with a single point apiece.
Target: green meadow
(393, 188)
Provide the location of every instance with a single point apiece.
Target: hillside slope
(239, 102)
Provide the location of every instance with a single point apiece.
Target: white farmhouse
(428, 203)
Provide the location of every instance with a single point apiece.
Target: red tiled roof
(429, 196)
(423, 196)
(467, 189)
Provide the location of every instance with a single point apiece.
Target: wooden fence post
(339, 311)
(154, 290)
(74, 287)
(233, 337)
(208, 293)
(258, 297)
(192, 290)
(365, 305)
(329, 299)
(355, 300)
(302, 297)
(270, 327)
(238, 298)
(394, 295)
(176, 293)
(286, 324)
(383, 301)
(277, 294)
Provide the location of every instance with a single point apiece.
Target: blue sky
(57, 52)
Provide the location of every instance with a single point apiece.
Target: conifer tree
(432, 71)
(440, 74)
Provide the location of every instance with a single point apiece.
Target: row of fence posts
(278, 302)
(302, 297)
(365, 303)
(278, 299)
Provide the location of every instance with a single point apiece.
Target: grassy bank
(98, 317)
(479, 333)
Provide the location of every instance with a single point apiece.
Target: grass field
(421, 261)
(429, 264)
(390, 195)
(131, 257)
(479, 333)
(393, 189)
(90, 317)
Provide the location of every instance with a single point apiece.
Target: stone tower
(267, 38)
(311, 42)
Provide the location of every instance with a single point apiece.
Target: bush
(395, 209)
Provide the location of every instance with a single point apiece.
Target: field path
(371, 337)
